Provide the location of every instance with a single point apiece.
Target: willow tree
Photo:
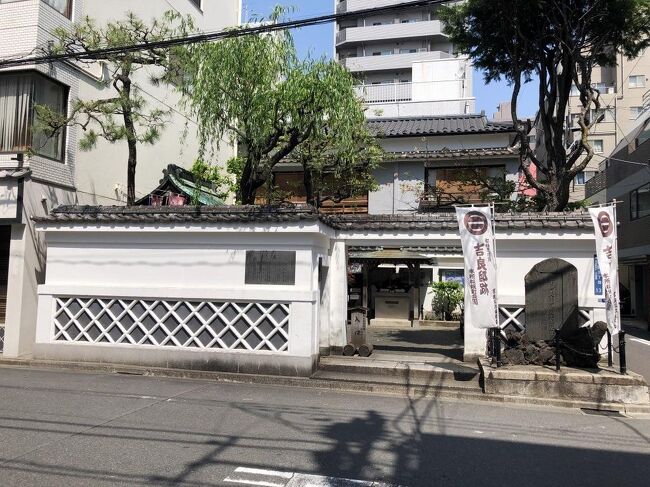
(125, 116)
(254, 91)
(560, 42)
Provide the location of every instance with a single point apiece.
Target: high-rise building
(624, 96)
(405, 64)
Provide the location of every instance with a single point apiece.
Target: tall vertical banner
(477, 239)
(604, 219)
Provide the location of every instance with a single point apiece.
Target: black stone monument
(551, 300)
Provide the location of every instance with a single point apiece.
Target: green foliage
(254, 90)
(561, 42)
(214, 176)
(448, 296)
(125, 116)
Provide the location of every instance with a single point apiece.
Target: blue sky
(318, 41)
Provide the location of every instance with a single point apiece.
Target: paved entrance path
(437, 344)
(81, 429)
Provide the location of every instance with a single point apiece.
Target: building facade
(624, 95)
(626, 179)
(55, 171)
(405, 64)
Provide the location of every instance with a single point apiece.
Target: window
(583, 176)
(597, 145)
(407, 51)
(635, 112)
(644, 135)
(640, 202)
(18, 95)
(64, 7)
(606, 113)
(376, 23)
(197, 4)
(637, 81)
(270, 267)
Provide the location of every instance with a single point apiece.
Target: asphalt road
(83, 429)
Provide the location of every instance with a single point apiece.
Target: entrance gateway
(393, 286)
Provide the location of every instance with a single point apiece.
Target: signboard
(598, 281)
(455, 275)
(272, 267)
(604, 219)
(479, 253)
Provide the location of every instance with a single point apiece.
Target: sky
(318, 41)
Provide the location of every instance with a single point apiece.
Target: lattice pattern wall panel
(2, 338)
(514, 317)
(204, 324)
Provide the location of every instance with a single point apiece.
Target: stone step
(398, 371)
(432, 382)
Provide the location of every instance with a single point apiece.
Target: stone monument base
(595, 386)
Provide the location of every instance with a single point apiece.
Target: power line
(223, 34)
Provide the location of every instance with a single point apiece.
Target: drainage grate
(602, 412)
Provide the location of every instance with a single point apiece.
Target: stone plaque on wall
(270, 267)
(551, 299)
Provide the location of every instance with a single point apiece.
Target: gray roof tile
(300, 213)
(443, 125)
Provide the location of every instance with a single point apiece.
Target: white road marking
(640, 340)
(273, 478)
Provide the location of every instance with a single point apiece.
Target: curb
(415, 391)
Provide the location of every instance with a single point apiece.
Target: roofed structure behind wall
(180, 187)
(440, 125)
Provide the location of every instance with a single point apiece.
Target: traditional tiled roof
(453, 154)
(447, 221)
(171, 214)
(442, 125)
(302, 213)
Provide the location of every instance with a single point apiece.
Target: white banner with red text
(477, 239)
(604, 219)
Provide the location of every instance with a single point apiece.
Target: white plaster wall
(183, 262)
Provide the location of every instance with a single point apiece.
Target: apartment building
(405, 64)
(58, 172)
(625, 95)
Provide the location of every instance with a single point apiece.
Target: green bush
(448, 296)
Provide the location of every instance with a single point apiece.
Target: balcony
(440, 90)
(412, 30)
(356, 5)
(391, 61)
(615, 173)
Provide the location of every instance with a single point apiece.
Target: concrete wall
(27, 266)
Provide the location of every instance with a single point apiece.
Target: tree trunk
(249, 183)
(558, 197)
(309, 187)
(131, 138)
